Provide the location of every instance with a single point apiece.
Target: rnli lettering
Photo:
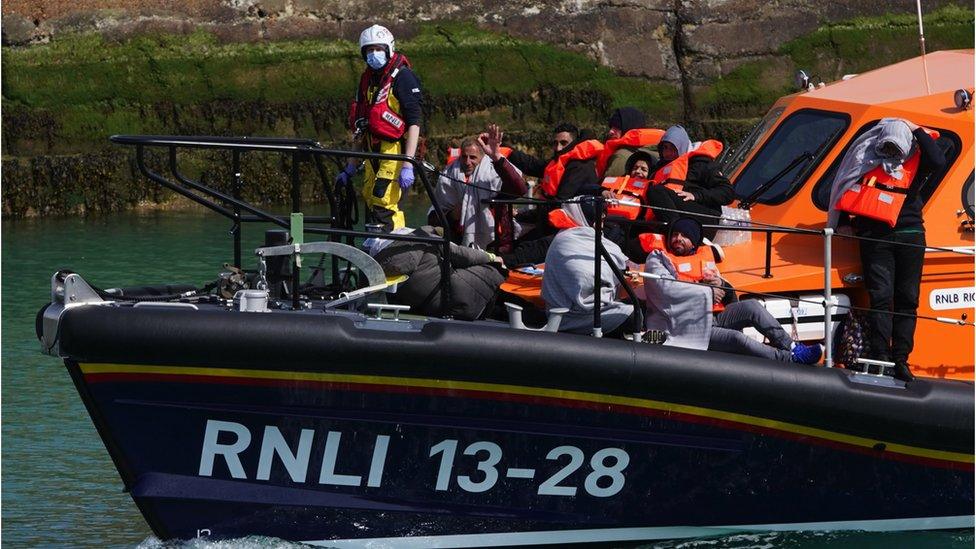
(392, 119)
(295, 458)
(480, 466)
(952, 298)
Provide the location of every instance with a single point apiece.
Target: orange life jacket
(674, 173)
(640, 137)
(879, 195)
(630, 189)
(560, 220)
(553, 174)
(690, 268)
(381, 120)
(453, 153)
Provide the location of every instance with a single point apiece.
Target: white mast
(921, 43)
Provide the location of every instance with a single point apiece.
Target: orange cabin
(825, 121)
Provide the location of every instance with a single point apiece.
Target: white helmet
(377, 34)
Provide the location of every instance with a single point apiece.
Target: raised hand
(483, 143)
(491, 141)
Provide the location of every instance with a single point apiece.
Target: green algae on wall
(88, 87)
(853, 46)
(61, 100)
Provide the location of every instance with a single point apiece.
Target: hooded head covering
(580, 212)
(688, 227)
(677, 136)
(626, 119)
(375, 245)
(898, 135)
(865, 154)
(589, 211)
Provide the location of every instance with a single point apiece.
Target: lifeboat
(290, 398)
(822, 122)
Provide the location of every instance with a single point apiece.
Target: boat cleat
(879, 378)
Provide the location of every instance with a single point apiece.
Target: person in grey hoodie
(684, 310)
(569, 277)
(893, 260)
(705, 188)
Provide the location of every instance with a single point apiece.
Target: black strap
(889, 188)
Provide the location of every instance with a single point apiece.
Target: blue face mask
(376, 59)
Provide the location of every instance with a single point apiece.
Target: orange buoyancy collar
(382, 121)
(879, 195)
(553, 174)
(677, 169)
(640, 137)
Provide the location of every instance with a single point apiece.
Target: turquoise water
(59, 486)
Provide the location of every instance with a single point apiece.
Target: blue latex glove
(406, 176)
(345, 176)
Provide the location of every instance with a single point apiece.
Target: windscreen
(735, 157)
(789, 155)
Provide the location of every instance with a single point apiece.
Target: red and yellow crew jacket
(377, 105)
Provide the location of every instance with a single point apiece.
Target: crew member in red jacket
(385, 118)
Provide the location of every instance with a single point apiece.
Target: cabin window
(782, 165)
(948, 141)
(735, 157)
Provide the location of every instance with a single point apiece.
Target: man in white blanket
(683, 309)
(481, 173)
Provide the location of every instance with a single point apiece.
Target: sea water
(59, 486)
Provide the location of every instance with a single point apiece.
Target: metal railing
(233, 207)
(827, 234)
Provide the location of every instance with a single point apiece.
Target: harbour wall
(712, 65)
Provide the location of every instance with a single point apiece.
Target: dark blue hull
(680, 472)
(407, 440)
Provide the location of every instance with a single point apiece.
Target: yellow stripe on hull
(579, 396)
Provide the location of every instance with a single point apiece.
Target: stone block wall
(685, 42)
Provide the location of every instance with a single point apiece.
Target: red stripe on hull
(525, 399)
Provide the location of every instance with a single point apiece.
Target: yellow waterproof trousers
(384, 209)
